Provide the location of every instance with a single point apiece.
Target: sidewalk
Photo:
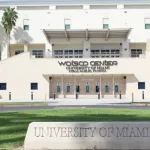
(58, 102)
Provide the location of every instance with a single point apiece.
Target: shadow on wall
(21, 36)
(132, 79)
(3, 38)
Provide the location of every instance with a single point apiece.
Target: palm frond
(9, 19)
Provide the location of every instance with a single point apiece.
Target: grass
(13, 125)
(23, 103)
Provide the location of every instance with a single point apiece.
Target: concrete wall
(52, 17)
(19, 71)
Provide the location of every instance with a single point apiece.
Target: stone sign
(86, 67)
(88, 135)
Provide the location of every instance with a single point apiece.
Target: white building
(85, 47)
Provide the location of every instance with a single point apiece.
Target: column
(113, 84)
(62, 83)
(48, 49)
(4, 51)
(100, 85)
(25, 47)
(87, 49)
(125, 49)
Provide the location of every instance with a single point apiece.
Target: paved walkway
(80, 101)
(88, 101)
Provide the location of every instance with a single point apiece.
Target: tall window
(97, 89)
(38, 53)
(67, 24)
(105, 23)
(77, 89)
(87, 88)
(68, 88)
(26, 24)
(58, 89)
(136, 52)
(116, 88)
(147, 23)
(106, 88)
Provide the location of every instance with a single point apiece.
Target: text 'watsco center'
(69, 48)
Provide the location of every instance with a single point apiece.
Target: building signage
(88, 135)
(85, 66)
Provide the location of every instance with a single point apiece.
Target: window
(77, 89)
(38, 53)
(18, 52)
(115, 53)
(136, 52)
(147, 23)
(105, 53)
(116, 89)
(95, 53)
(78, 53)
(67, 24)
(87, 88)
(105, 23)
(26, 24)
(68, 89)
(106, 88)
(68, 53)
(3, 86)
(34, 86)
(58, 53)
(97, 88)
(58, 89)
(141, 85)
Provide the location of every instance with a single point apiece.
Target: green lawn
(13, 125)
(23, 103)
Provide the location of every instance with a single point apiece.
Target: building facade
(76, 47)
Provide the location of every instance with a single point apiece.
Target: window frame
(87, 91)
(96, 89)
(67, 89)
(147, 22)
(105, 23)
(67, 23)
(25, 24)
(36, 53)
(4, 85)
(136, 54)
(58, 91)
(34, 86)
(141, 88)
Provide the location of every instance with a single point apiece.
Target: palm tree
(9, 21)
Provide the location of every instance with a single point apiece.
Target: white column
(4, 52)
(87, 49)
(125, 49)
(25, 48)
(48, 49)
(100, 85)
(113, 84)
(62, 83)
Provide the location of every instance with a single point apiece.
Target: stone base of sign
(88, 135)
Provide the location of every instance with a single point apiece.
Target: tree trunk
(8, 44)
